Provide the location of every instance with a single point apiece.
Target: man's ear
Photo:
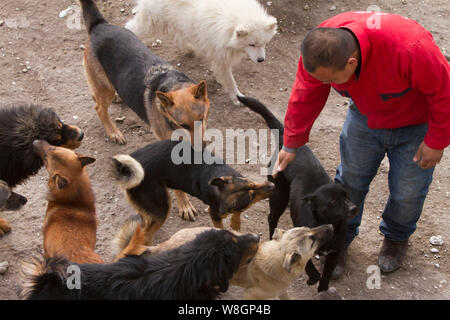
(60, 181)
(289, 260)
(85, 160)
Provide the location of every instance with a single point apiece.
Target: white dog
(220, 30)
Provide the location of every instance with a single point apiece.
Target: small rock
(120, 119)
(178, 64)
(4, 267)
(333, 8)
(436, 240)
(437, 266)
(434, 250)
(2, 22)
(404, 1)
(247, 160)
(122, 10)
(82, 47)
(75, 117)
(306, 7)
(65, 12)
(25, 70)
(269, 3)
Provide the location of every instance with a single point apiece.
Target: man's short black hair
(327, 48)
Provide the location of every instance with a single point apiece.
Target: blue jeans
(362, 150)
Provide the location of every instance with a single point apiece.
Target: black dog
(19, 127)
(200, 269)
(314, 199)
(146, 174)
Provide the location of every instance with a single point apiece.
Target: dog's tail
(263, 111)
(43, 278)
(91, 14)
(127, 172)
(130, 240)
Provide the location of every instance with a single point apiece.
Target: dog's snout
(260, 59)
(81, 136)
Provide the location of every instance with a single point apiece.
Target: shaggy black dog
(200, 269)
(19, 127)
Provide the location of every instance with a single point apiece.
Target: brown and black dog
(116, 60)
(145, 175)
(70, 223)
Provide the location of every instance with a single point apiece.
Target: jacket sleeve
(308, 97)
(429, 73)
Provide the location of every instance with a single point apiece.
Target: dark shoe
(392, 254)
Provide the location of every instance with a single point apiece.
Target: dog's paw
(188, 212)
(117, 137)
(4, 227)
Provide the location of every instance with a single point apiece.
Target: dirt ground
(33, 35)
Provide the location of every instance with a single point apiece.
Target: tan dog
(276, 264)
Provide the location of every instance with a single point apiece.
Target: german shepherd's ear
(60, 181)
(166, 101)
(85, 160)
(200, 91)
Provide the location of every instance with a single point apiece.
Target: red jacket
(404, 80)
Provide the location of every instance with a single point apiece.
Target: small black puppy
(146, 174)
(314, 199)
(200, 269)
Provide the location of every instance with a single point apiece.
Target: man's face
(330, 75)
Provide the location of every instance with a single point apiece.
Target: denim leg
(408, 184)
(361, 152)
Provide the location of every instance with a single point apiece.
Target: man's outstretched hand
(284, 158)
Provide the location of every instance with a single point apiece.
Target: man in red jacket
(399, 84)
